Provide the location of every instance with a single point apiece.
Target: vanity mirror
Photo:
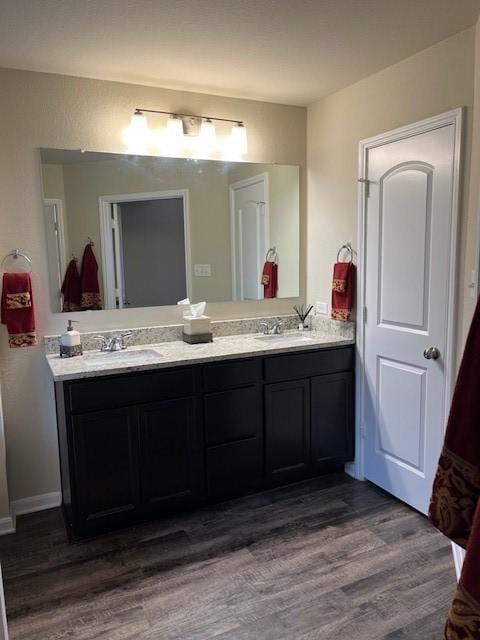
(163, 229)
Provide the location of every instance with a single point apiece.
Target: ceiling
(287, 51)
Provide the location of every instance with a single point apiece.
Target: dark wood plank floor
(329, 558)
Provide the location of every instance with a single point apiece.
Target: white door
(3, 612)
(56, 252)
(249, 237)
(408, 264)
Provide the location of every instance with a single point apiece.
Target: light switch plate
(203, 270)
(321, 308)
(472, 285)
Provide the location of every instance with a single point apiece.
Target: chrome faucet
(116, 342)
(274, 329)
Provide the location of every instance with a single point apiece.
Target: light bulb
(175, 130)
(136, 135)
(238, 139)
(208, 134)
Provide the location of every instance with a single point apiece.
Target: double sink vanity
(157, 428)
(163, 425)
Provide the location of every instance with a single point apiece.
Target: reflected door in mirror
(56, 249)
(149, 252)
(249, 236)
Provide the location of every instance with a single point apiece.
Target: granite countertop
(177, 353)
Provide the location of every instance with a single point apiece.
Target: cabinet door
(171, 460)
(332, 418)
(287, 431)
(234, 435)
(105, 452)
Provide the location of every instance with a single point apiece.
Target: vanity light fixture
(181, 127)
(136, 135)
(208, 134)
(239, 139)
(174, 129)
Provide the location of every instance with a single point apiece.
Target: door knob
(431, 353)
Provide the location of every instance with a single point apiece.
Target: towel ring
(15, 254)
(345, 247)
(272, 251)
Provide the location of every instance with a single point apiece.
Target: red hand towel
(17, 310)
(342, 290)
(455, 505)
(270, 279)
(89, 280)
(72, 288)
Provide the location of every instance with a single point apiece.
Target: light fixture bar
(188, 115)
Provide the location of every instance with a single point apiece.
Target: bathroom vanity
(175, 434)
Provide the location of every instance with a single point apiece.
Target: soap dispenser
(70, 342)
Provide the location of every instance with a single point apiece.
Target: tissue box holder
(197, 329)
(197, 338)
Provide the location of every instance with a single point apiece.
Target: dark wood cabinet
(234, 437)
(105, 464)
(170, 455)
(233, 415)
(287, 431)
(332, 418)
(139, 445)
(234, 468)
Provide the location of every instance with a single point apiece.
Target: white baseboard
(7, 525)
(36, 503)
(28, 505)
(351, 469)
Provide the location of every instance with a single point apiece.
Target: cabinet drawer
(227, 375)
(234, 468)
(100, 393)
(233, 415)
(305, 365)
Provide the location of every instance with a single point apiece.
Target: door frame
(453, 117)
(58, 204)
(232, 187)
(104, 212)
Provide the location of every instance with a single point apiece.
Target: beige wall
(4, 497)
(473, 202)
(53, 181)
(43, 110)
(435, 80)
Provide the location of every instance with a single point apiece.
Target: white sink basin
(284, 337)
(121, 357)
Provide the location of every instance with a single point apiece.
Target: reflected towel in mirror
(90, 298)
(72, 288)
(270, 279)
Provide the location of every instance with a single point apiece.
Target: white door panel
(249, 220)
(407, 273)
(401, 434)
(405, 222)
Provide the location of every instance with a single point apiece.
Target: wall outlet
(321, 308)
(203, 270)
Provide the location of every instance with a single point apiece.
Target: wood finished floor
(329, 558)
